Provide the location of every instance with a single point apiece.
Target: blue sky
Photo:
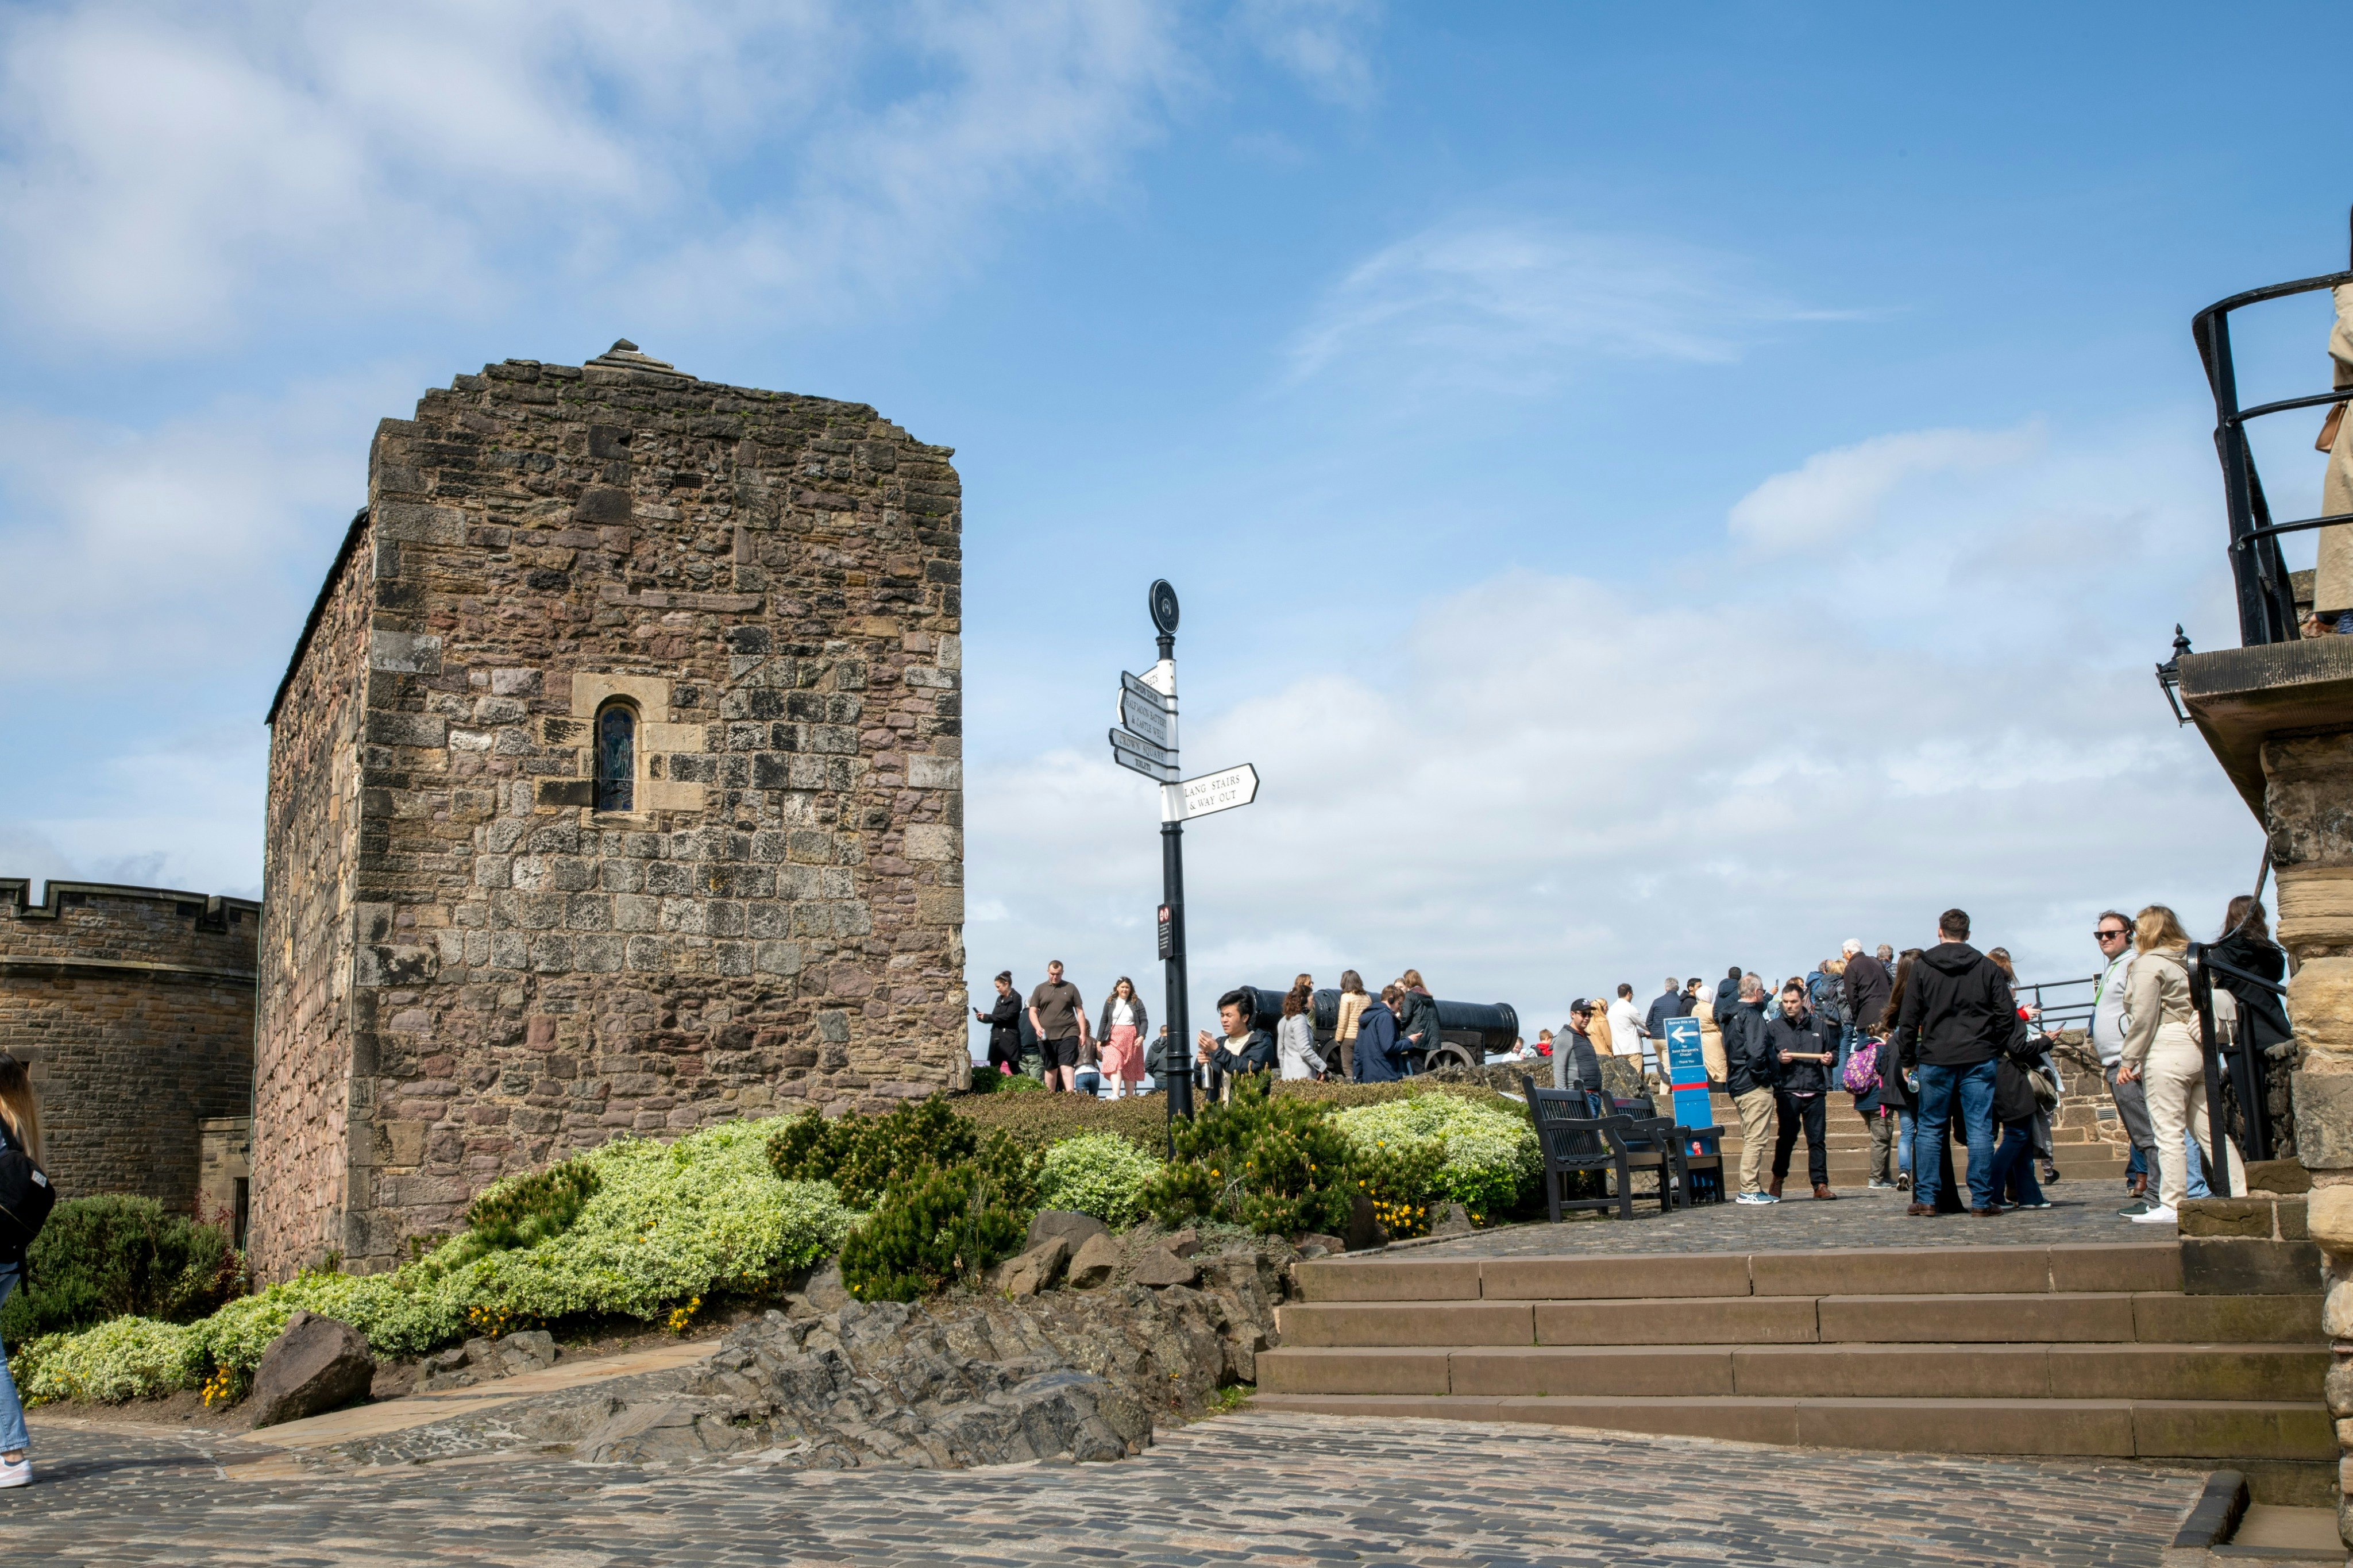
(1650, 488)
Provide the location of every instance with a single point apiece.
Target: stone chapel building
(614, 786)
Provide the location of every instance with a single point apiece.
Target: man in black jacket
(1958, 1017)
(1244, 1048)
(1867, 987)
(1748, 1079)
(1574, 1063)
(1802, 1047)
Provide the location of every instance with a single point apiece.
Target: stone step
(2132, 1428)
(2079, 1267)
(2155, 1317)
(2287, 1374)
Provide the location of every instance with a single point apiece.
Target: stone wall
(310, 866)
(770, 583)
(134, 1007)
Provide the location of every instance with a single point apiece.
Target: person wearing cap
(1574, 1063)
(1004, 1021)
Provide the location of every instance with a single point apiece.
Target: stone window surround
(658, 736)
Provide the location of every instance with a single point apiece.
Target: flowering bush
(660, 1224)
(1491, 1162)
(1101, 1173)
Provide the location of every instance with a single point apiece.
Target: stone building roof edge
(318, 609)
(16, 897)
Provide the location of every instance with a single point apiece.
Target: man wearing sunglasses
(2113, 932)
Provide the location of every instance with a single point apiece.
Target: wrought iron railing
(2058, 1007)
(2267, 608)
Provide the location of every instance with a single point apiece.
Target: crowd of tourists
(1111, 1053)
(1934, 1045)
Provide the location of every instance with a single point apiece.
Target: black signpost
(1146, 742)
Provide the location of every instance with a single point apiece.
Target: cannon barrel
(1471, 1028)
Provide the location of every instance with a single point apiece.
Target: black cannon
(1467, 1031)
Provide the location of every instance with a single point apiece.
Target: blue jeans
(1939, 1088)
(2196, 1176)
(1904, 1143)
(2014, 1162)
(12, 1409)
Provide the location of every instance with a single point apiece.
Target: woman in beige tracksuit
(1343, 1030)
(2161, 1049)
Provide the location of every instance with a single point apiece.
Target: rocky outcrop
(480, 1359)
(968, 1378)
(315, 1365)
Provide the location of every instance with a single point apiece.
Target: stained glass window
(616, 759)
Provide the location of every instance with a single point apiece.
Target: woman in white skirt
(2161, 1050)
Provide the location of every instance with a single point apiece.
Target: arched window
(617, 757)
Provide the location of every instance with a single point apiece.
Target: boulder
(1096, 1260)
(1315, 1239)
(1454, 1221)
(1034, 1270)
(1071, 1226)
(1184, 1243)
(527, 1351)
(317, 1365)
(1161, 1268)
(825, 1291)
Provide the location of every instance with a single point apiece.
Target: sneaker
(1756, 1198)
(16, 1472)
(2049, 1173)
(2045, 1203)
(1903, 1181)
(1878, 1186)
(2135, 1209)
(2162, 1214)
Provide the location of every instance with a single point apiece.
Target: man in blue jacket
(1376, 1058)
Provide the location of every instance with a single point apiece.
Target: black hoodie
(1959, 1008)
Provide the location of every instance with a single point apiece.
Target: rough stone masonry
(614, 786)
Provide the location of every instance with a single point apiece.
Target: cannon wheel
(1447, 1055)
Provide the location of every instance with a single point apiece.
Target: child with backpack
(25, 1199)
(1860, 1076)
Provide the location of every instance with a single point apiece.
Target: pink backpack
(1862, 1072)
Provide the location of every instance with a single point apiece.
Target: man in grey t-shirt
(1060, 1016)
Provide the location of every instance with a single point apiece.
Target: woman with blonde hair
(1353, 1000)
(2160, 1050)
(20, 1129)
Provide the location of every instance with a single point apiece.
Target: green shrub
(1100, 1174)
(1490, 1162)
(862, 1155)
(117, 1257)
(1041, 1120)
(663, 1223)
(522, 1211)
(988, 1080)
(935, 1228)
(1274, 1164)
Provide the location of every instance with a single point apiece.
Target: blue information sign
(1687, 1074)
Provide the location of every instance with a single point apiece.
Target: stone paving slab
(411, 1410)
(2082, 1212)
(1298, 1490)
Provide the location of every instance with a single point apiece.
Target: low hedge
(117, 1257)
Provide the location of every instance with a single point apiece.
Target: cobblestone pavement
(1300, 1491)
(2084, 1212)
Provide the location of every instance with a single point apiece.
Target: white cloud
(185, 553)
(179, 178)
(1520, 305)
(1837, 491)
(1750, 771)
(1325, 43)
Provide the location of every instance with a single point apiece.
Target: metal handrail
(2258, 571)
